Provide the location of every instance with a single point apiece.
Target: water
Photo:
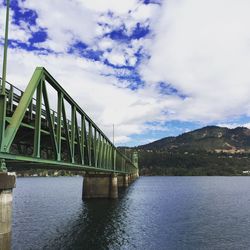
(153, 213)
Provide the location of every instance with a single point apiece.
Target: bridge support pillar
(100, 186)
(137, 174)
(123, 180)
(7, 183)
(133, 177)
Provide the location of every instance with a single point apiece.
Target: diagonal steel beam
(50, 121)
(19, 113)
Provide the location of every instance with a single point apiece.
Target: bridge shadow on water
(99, 224)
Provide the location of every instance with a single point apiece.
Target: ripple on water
(153, 213)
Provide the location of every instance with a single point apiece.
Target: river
(153, 213)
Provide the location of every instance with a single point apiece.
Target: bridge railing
(53, 138)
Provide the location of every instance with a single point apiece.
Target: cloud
(138, 66)
(234, 125)
(80, 20)
(202, 48)
(116, 58)
(101, 97)
(19, 33)
(117, 6)
(65, 22)
(101, 90)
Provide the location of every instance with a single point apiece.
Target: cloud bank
(202, 49)
(142, 65)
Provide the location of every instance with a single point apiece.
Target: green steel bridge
(32, 135)
(35, 136)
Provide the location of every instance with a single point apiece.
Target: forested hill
(211, 138)
(210, 150)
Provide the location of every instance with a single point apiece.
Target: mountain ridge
(209, 138)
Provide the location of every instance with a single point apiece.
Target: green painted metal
(5, 47)
(51, 164)
(37, 137)
(50, 120)
(78, 140)
(73, 134)
(83, 138)
(90, 144)
(2, 118)
(10, 99)
(58, 142)
(3, 83)
(16, 119)
(135, 159)
(59, 124)
(66, 129)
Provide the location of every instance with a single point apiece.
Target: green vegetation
(195, 163)
(207, 151)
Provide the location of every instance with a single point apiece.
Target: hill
(211, 150)
(210, 138)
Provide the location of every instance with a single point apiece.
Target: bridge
(35, 136)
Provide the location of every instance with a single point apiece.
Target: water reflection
(153, 213)
(99, 224)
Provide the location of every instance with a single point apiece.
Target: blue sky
(153, 68)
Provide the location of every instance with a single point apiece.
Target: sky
(152, 68)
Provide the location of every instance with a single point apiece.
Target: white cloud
(65, 21)
(20, 33)
(115, 58)
(106, 43)
(144, 13)
(99, 96)
(68, 21)
(123, 54)
(117, 6)
(105, 98)
(234, 125)
(202, 48)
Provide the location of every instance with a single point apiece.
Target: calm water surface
(153, 213)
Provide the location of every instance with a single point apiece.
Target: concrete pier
(100, 186)
(133, 177)
(123, 181)
(7, 183)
